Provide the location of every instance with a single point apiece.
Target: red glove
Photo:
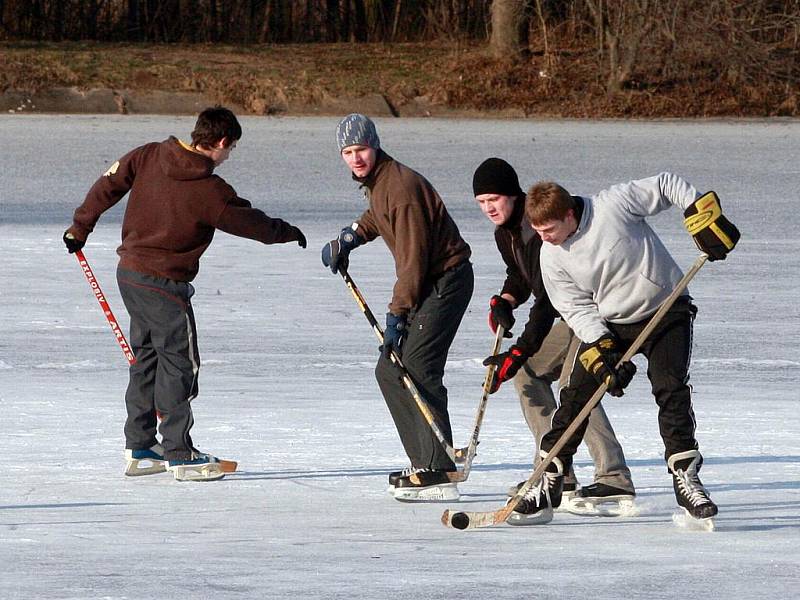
(507, 363)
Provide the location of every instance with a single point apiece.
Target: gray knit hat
(356, 130)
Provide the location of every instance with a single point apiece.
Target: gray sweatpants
(431, 330)
(163, 337)
(553, 362)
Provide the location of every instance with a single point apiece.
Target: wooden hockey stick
(409, 384)
(473, 520)
(469, 451)
(101, 298)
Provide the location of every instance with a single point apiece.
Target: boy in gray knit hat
(356, 129)
(433, 288)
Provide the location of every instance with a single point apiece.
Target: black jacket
(519, 246)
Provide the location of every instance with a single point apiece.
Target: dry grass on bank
(458, 76)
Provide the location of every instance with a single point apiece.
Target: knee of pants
(386, 373)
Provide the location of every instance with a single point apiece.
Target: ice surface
(287, 386)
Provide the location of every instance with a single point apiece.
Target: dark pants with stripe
(431, 329)
(163, 337)
(668, 350)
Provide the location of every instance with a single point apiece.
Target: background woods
(559, 57)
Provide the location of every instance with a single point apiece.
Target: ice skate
(568, 494)
(144, 461)
(536, 506)
(200, 467)
(395, 475)
(697, 508)
(426, 485)
(603, 500)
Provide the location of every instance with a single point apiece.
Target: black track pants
(431, 330)
(164, 378)
(668, 351)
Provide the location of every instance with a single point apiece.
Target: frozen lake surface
(287, 384)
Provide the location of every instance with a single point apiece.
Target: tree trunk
(509, 38)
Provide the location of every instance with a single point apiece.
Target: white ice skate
(200, 467)
(146, 461)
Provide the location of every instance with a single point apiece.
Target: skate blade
(684, 520)
(606, 507)
(136, 468)
(209, 472)
(542, 517)
(435, 493)
(566, 500)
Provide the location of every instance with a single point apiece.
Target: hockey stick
(471, 449)
(101, 298)
(412, 389)
(228, 466)
(473, 520)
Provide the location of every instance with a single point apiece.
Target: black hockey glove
(507, 363)
(712, 232)
(501, 313)
(335, 253)
(600, 359)
(72, 243)
(298, 236)
(394, 335)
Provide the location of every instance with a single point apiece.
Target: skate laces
(413, 470)
(691, 487)
(538, 492)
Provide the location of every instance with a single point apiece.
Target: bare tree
(621, 28)
(510, 26)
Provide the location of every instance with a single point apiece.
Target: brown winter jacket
(176, 203)
(409, 215)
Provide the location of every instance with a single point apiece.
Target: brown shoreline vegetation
(400, 79)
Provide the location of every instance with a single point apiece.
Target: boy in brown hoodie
(176, 204)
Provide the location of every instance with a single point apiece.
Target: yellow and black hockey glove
(712, 232)
(600, 359)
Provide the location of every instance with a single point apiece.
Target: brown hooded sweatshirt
(409, 215)
(175, 205)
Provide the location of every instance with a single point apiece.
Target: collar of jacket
(580, 205)
(514, 222)
(381, 160)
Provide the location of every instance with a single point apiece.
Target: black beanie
(496, 176)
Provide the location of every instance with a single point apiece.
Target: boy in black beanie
(546, 345)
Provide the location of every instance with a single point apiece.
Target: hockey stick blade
(228, 466)
(474, 520)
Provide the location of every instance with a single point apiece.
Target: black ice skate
(689, 491)
(395, 475)
(536, 506)
(604, 500)
(426, 485)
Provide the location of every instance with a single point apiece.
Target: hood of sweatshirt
(180, 162)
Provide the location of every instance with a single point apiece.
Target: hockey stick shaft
(101, 299)
(472, 448)
(409, 384)
(472, 520)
